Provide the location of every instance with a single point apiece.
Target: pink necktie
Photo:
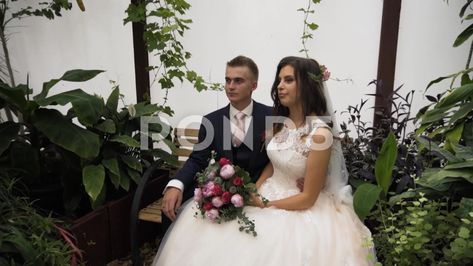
(239, 133)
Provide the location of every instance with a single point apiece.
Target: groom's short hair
(245, 61)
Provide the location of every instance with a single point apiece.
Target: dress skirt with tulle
(328, 233)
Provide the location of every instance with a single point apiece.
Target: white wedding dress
(328, 233)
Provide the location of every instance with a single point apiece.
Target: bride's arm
(267, 172)
(314, 179)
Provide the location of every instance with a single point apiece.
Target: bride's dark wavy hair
(308, 77)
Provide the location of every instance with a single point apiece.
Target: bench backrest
(184, 140)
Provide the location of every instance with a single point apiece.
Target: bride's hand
(256, 201)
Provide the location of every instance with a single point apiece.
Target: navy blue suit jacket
(221, 144)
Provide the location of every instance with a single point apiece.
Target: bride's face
(287, 88)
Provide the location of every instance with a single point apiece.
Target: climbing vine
(165, 25)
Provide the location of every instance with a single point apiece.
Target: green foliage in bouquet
(222, 192)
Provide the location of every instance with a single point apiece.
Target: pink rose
(226, 196)
(197, 194)
(238, 181)
(212, 214)
(208, 206)
(326, 73)
(227, 171)
(208, 189)
(237, 200)
(217, 202)
(223, 161)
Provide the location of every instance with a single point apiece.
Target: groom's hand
(172, 200)
(300, 183)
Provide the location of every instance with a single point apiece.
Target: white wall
(266, 30)
(425, 48)
(94, 39)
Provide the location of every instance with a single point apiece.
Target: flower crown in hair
(323, 76)
(325, 73)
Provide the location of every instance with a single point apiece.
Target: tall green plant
(446, 129)
(104, 148)
(367, 194)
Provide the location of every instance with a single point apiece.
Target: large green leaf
(88, 108)
(107, 126)
(432, 146)
(80, 75)
(464, 35)
(132, 162)
(134, 175)
(115, 179)
(144, 109)
(365, 198)
(464, 7)
(112, 165)
(468, 133)
(8, 132)
(14, 96)
(385, 162)
(434, 115)
(127, 140)
(124, 180)
(76, 75)
(66, 134)
(442, 179)
(100, 200)
(467, 164)
(437, 80)
(93, 177)
(462, 152)
(112, 100)
(454, 135)
(456, 95)
(166, 156)
(46, 87)
(461, 113)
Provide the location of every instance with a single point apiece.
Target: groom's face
(239, 85)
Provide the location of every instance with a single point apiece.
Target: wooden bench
(184, 140)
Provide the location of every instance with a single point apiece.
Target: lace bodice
(288, 151)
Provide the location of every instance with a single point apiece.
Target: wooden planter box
(104, 234)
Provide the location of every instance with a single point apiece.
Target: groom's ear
(254, 86)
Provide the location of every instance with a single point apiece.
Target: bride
(315, 226)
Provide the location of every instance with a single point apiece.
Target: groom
(235, 132)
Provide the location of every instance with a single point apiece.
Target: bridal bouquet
(223, 190)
